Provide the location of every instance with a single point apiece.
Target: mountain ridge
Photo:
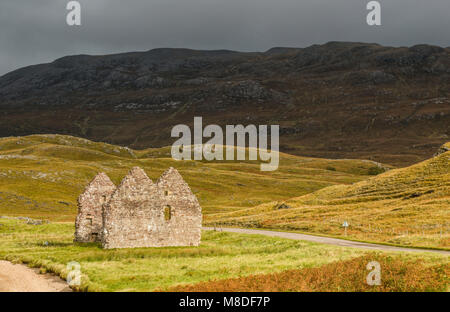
(336, 100)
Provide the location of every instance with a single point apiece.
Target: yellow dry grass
(41, 176)
(408, 206)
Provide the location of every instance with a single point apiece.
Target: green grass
(41, 176)
(220, 255)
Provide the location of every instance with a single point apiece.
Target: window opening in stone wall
(167, 213)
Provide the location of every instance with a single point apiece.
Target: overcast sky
(35, 31)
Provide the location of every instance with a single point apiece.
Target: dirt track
(327, 240)
(20, 278)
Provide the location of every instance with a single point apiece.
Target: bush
(375, 170)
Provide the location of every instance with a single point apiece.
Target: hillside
(41, 176)
(407, 206)
(337, 100)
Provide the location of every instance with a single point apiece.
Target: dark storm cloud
(35, 31)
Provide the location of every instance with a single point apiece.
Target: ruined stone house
(140, 213)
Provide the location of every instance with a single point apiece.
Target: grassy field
(219, 259)
(41, 176)
(408, 206)
(221, 255)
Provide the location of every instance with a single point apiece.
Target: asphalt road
(327, 240)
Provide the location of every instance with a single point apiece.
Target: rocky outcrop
(28, 220)
(163, 69)
(443, 149)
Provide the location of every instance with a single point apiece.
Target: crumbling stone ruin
(139, 213)
(89, 222)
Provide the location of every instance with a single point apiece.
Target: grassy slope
(221, 255)
(408, 206)
(41, 176)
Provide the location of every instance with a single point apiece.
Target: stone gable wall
(186, 217)
(89, 221)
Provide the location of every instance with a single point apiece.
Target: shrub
(375, 170)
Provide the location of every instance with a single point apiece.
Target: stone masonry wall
(89, 222)
(140, 213)
(185, 222)
(133, 217)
